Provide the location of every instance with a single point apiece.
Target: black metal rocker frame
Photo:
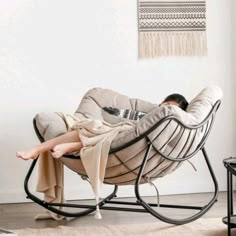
(142, 205)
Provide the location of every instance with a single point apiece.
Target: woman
(71, 141)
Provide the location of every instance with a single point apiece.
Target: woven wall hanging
(172, 28)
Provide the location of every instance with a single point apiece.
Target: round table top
(230, 161)
(230, 164)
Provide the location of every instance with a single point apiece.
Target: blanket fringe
(98, 215)
(156, 44)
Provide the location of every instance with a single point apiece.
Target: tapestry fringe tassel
(156, 44)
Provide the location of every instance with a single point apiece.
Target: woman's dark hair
(180, 99)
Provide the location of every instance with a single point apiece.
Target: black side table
(230, 219)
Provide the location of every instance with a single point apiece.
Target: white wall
(233, 13)
(52, 52)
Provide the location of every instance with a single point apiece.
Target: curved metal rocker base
(202, 210)
(52, 206)
(143, 205)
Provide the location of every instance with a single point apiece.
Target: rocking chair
(158, 144)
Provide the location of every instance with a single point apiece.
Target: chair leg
(150, 209)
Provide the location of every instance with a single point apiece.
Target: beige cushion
(95, 99)
(123, 166)
(51, 125)
(197, 110)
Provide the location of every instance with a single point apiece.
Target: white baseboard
(4, 232)
(15, 196)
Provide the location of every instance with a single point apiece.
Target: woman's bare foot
(61, 149)
(28, 154)
(57, 152)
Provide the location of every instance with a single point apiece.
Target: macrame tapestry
(172, 28)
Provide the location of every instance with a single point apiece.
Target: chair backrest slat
(184, 141)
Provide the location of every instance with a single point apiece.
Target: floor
(18, 216)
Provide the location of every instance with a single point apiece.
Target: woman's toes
(27, 155)
(18, 154)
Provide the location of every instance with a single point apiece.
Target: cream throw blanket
(96, 137)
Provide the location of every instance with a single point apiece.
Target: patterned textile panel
(159, 16)
(172, 28)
